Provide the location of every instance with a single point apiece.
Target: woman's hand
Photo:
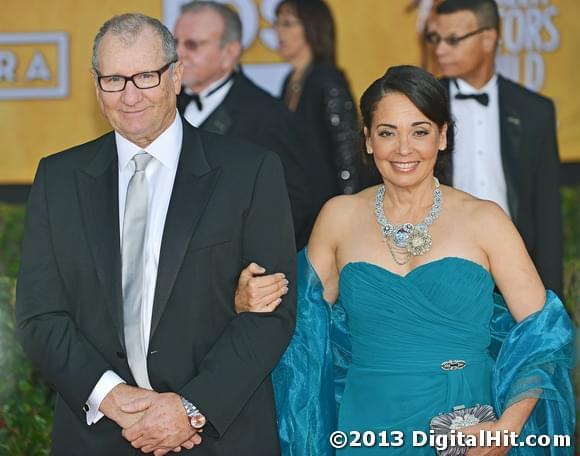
(511, 420)
(257, 292)
(492, 427)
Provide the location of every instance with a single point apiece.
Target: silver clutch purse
(459, 418)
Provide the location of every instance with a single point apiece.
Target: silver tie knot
(141, 160)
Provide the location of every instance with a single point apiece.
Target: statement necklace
(407, 240)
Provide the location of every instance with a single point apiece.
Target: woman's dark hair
(421, 87)
(318, 24)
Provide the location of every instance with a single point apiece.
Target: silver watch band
(190, 409)
(196, 418)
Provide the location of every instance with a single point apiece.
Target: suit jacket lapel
(98, 193)
(220, 120)
(510, 133)
(192, 189)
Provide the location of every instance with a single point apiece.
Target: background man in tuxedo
(218, 97)
(506, 148)
(133, 245)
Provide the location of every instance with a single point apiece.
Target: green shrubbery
(26, 400)
(571, 216)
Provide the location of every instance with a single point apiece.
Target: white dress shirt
(160, 174)
(477, 162)
(210, 100)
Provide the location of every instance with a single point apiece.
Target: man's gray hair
(232, 23)
(128, 27)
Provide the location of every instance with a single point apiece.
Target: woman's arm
(262, 293)
(323, 243)
(517, 279)
(511, 267)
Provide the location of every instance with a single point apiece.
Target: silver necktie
(133, 244)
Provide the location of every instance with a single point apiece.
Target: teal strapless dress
(404, 329)
(377, 360)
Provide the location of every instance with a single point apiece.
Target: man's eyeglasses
(434, 38)
(144, 80)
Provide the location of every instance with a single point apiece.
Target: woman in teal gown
(416, 329)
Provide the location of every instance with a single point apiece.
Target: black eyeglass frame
(435, 39)
(131, 78)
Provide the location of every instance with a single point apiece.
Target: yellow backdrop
(372, 35)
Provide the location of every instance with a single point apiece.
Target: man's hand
(189, 444)
(119, 395)
(257, 293)
(164, 426)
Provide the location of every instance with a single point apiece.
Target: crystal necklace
(407, 240)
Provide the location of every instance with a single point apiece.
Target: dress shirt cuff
(105, 384)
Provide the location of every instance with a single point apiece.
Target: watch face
(198, 421)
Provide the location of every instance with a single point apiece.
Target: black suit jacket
(248, 112)
(529, 151)
(228, 207)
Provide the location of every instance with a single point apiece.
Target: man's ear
(176, 75)
(98, 92)
(232, 52)
(490, 40)
(95, 80)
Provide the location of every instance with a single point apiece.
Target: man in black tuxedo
(218, 97)
(133, 246)
(506, 148)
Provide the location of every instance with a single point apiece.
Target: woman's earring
(369, 151)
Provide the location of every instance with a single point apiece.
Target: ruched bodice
(407, 335)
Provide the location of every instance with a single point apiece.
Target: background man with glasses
(218, 97)
(133, 245)
(505, 147)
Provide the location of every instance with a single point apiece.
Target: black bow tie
(188, 98)
(481, 98)
(185, 98)
(195, 98)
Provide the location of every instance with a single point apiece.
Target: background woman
(412, 266)
(318, 92)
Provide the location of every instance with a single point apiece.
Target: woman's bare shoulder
(339, 215)
(472, 206)
(485, 218)
(344, 207)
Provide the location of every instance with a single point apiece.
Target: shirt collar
(204, 93)
(466, 88)
(165, 148)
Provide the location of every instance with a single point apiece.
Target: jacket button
(121, 355)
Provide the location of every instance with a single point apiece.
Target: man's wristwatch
(196, 418)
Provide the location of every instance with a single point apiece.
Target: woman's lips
(405, 167)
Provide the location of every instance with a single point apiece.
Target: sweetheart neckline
(421, 266)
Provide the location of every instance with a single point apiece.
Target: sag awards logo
(34, 65)
(528, 34)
